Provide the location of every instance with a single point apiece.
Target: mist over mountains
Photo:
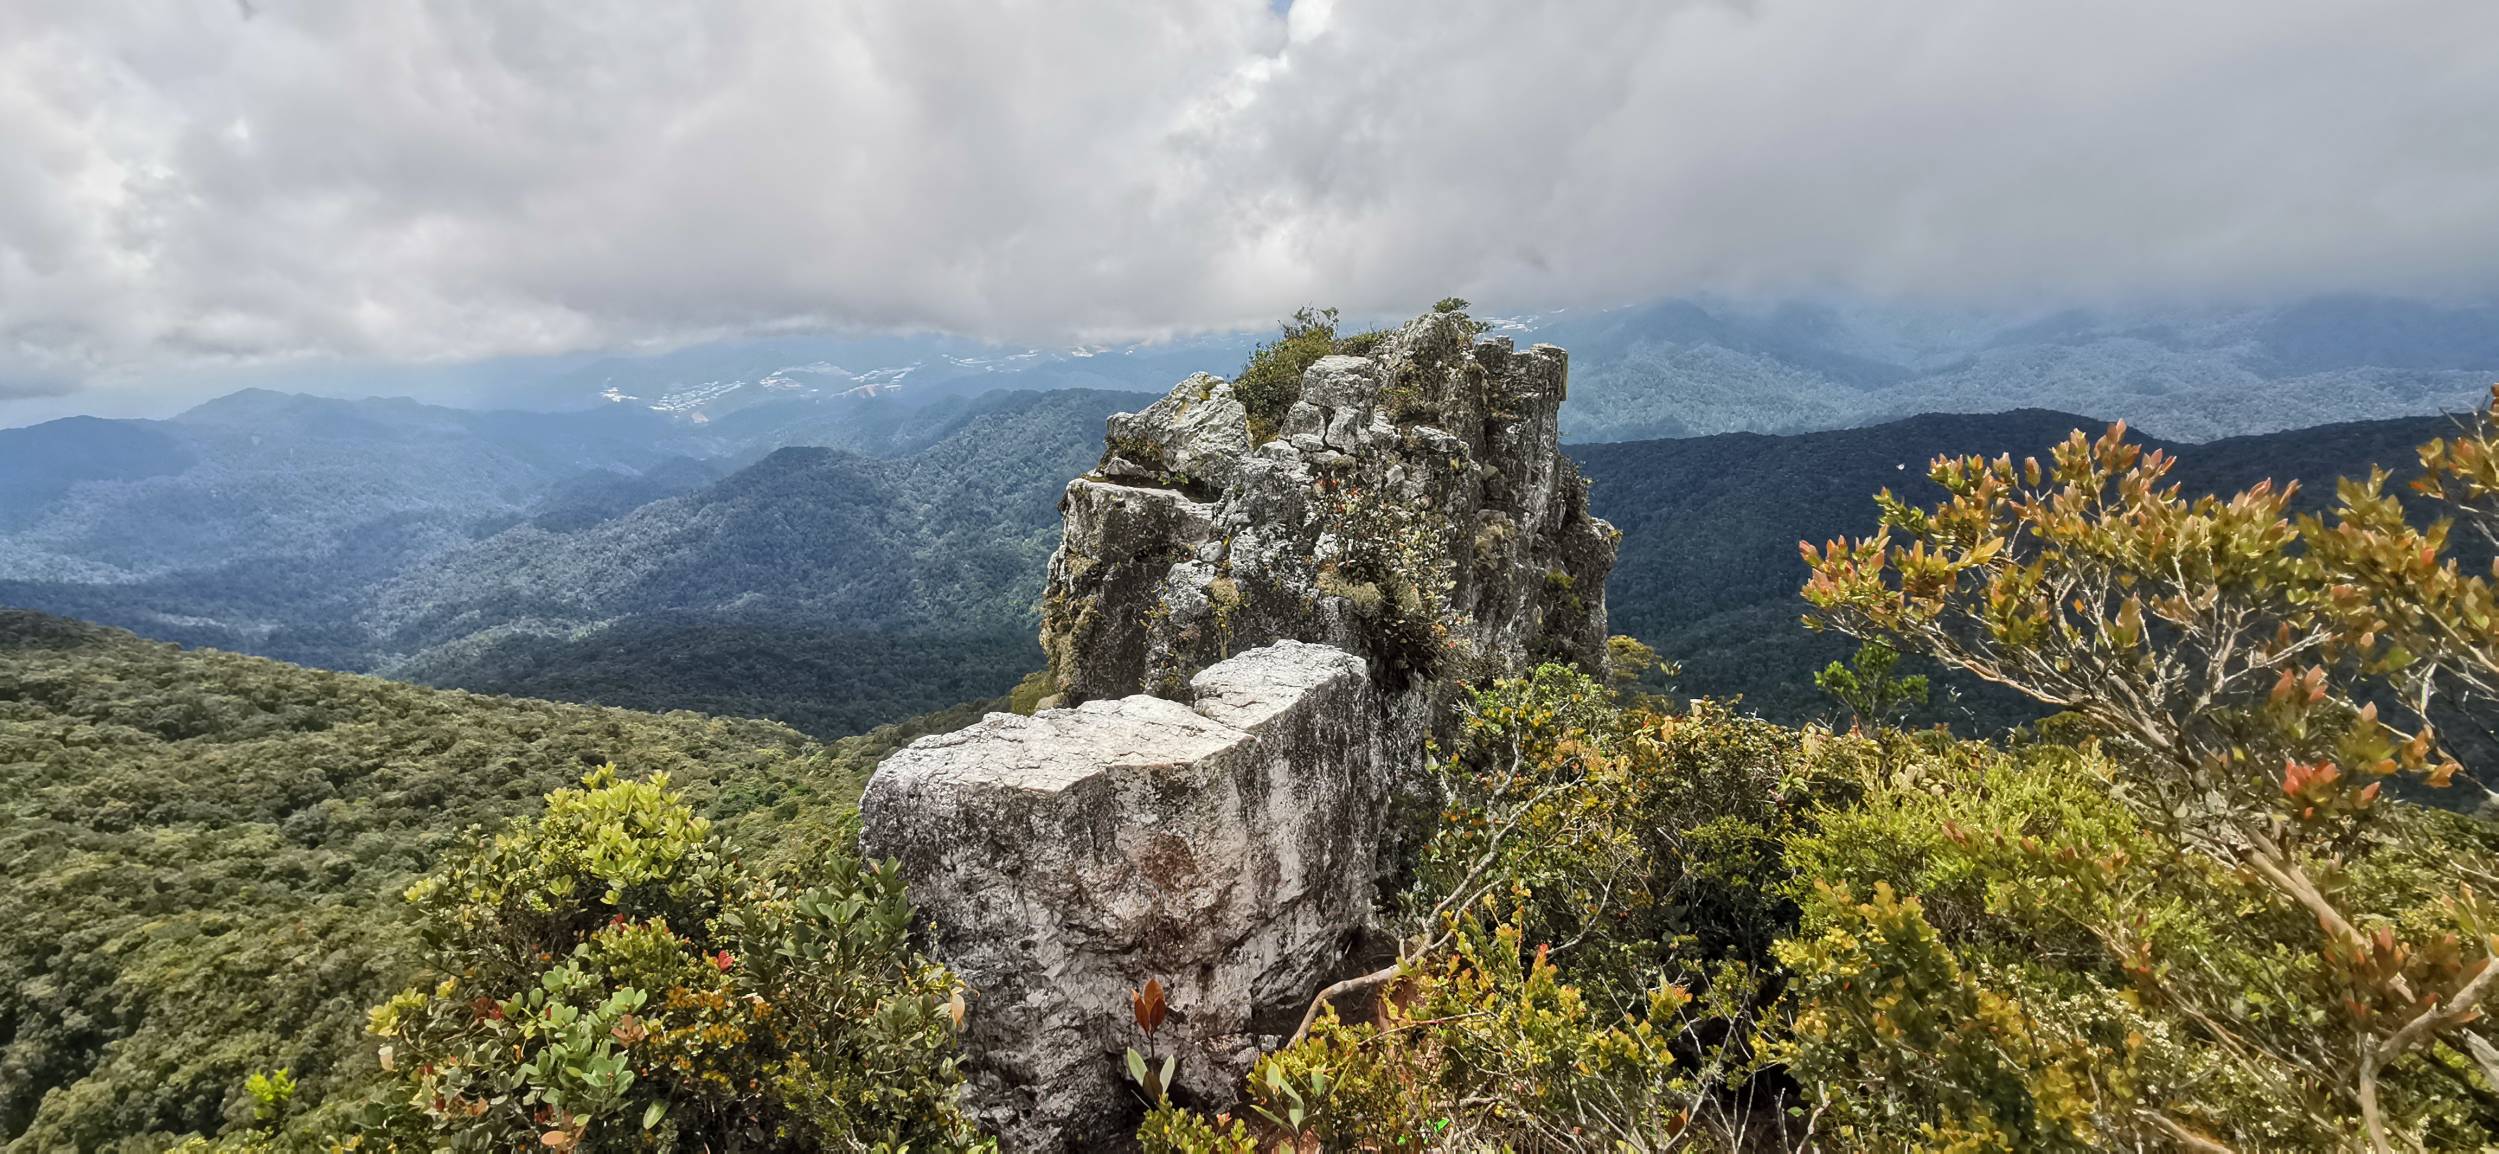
(1680, 368)
(737, 529)
(462, 547)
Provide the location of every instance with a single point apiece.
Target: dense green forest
(818, 680)
(201, 856)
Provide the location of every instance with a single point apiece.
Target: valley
(620, 558)
(835, 554)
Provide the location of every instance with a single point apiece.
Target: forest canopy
(201, 856)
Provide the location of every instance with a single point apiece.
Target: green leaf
(652, 1115)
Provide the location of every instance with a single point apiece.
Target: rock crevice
(1414, 510)
(1065, 858)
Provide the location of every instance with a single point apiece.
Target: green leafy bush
(1866, 686)
(2249, 682)
(1996, 949)
(609, 975)
(1272, 379)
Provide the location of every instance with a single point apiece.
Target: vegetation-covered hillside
(831, 588)
(201, 856)
(817, 587)
(1708, 569)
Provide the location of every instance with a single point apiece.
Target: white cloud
(188, 184)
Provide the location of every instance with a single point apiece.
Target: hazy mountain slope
(257, 475)
(263, 522)
(1708, 570)
(1682, 368)
(264, 475)
(816, 586)
(941, 536)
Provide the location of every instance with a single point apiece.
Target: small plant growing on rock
(1867, 688)
(1272, 380)
(1149, 1006)
(1399, 553)
(1223, 594)
(1169, 1129)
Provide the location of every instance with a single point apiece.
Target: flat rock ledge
(1224, 846)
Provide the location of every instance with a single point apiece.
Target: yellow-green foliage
(1170, 1129)
(1643, 839)
(2258, 680)
(1486, 1048)
(1029, 693)
(1586, 933)
(203, 853)
(1633, 930)
(610, 976)
(1996, 954)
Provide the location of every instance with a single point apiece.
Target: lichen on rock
(1454, 436)
(1252, 642)
(1222, 848)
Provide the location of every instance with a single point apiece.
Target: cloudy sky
(192, 185)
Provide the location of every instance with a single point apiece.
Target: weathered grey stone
(1338, 404)
(1067, 857)
(1197, 433)
(1463, 433)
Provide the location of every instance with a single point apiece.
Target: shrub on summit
(610, 975)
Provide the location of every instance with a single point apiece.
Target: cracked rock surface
(1414, 510)
(1065, 858)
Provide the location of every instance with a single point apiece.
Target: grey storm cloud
(207, 181)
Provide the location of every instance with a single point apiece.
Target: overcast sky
(188, 184)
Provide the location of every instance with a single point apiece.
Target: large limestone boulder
(1414, 510)
(1223, 846)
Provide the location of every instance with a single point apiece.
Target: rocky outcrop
(1414, 510)
(1254, 630)
(1221, 847)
